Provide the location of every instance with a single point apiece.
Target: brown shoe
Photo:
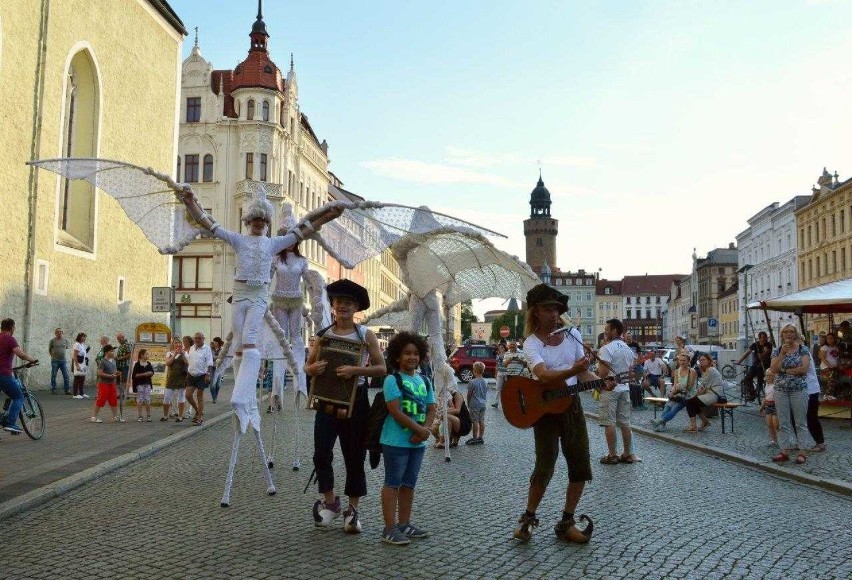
(567, 530)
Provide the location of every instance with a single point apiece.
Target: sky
(658, 126)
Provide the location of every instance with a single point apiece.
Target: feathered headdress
(288, 220)
(258, 207)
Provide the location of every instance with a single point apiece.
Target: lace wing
(147, 197)
(366, 229)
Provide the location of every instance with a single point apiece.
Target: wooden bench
(727, 409)
(658, 402)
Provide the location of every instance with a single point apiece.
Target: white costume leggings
(290, 320)
(248, 316)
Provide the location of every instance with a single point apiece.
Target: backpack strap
(358, 331)
(322, 331)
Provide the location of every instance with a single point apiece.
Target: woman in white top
(710, 388)
(80, 366)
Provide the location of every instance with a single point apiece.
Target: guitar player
(554, 358)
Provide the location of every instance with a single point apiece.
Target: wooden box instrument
(329, 393)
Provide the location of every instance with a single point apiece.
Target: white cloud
(430, 173)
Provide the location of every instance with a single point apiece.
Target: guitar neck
(571, 390)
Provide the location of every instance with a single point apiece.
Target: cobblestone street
(678, 513)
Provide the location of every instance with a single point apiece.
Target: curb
(832, 485)
(53, 490)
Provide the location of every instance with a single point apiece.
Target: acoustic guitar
(525, 400)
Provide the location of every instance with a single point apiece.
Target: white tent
(825, 299)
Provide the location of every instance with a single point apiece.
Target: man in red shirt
(8, 383)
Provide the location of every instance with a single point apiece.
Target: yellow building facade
(71, 76)
(825, 237)
(729, 317)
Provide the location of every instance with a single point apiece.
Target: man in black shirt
(761, 357)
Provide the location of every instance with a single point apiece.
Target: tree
(467, 316)
(516, 330)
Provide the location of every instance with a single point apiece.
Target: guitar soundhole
(522, 402)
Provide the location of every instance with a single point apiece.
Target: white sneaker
(77, 397)
(325, 514)
(96, 420)
(351, 521)
(119, 420)
(85, 396)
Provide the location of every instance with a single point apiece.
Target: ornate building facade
(70, 86)
(767, 263)
(608, 304)
(241, 129)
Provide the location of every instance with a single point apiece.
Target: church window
(76, 216)
(190, 170)
(263, 166)
(265, 111)
(193, 109)
(250, 110)
(208, 168)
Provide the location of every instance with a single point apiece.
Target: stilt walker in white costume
(255, 252)
(290, 269)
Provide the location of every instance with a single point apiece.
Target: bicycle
(32, 415)
(750, 392)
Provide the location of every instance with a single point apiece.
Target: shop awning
(824, 299)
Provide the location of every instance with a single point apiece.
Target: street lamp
(744, 271)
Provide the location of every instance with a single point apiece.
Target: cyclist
(761, 356)
(8, 383)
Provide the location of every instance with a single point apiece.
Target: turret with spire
(540, 230)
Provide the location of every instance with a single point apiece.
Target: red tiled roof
(648, 284)
(600, 285)
(258, 70)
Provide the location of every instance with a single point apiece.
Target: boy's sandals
(197, 421)
(626, 459)
(801, 458)
(609, 460)
(781, 458)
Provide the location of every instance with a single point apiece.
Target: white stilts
(229, 479)
(270, 489)
(296, 463)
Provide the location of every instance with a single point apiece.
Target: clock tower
(540, 230)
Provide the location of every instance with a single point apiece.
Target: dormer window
(607, 291)
(267, 69)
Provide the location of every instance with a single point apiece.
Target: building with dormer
(825, 237)
(241, 129)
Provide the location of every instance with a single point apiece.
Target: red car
(464, 356)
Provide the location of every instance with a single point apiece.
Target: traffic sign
(504, 331)
(162, 298)
(712, 327)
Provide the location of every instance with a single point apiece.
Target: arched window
(250, 110)
(76, 216)
(208, 168)
(265, 111)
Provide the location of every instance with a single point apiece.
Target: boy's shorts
(107, 393)
(402, 465)
(477, 415)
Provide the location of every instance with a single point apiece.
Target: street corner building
(81, 79)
